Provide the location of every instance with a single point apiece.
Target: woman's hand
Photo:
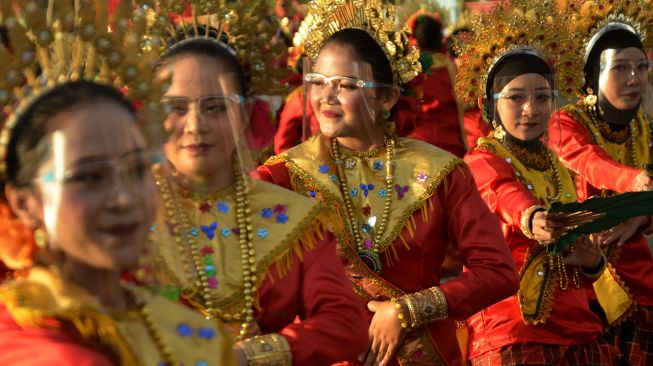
(643, 182)
(586, 253)
(545, 231)
(386, 334)
(622, 232)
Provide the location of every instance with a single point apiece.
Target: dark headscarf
(613, 36)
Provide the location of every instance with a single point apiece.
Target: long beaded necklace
(247, 251)
(557, 181)
(154, 332)
(369, 255)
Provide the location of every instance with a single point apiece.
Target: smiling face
(525, 105)
(201, 140)
(93, 211)
(342, 109)
(624, 77)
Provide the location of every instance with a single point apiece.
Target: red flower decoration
(206, 250)
(280, 209)
(205, 207)
(367, 210)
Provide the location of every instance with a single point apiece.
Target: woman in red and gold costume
(247, 252)
(437, 119)
(75, 170)
(399, 201)
(606, 139)
(549, 321)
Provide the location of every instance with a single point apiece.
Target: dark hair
(428, 33)
(366, 49)
(25, 152)
(215, 46)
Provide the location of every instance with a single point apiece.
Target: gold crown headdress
(247, 29)
(54, 42)
(513, 25)
(326, 17)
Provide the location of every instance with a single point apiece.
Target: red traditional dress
(295, 269)
(608, 161)
(46, 320)
(475, 127)
(551, 307)
(434, 202)
(437, 120)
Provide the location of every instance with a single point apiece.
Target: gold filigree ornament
(535, 26)
(326, 17)
(245, 26)
(54, 42)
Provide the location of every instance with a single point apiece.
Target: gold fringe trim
(300, 179)
(547, 293)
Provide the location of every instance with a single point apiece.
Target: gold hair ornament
(512, 25)
(326, 17)
(54, 42)
(246, 27)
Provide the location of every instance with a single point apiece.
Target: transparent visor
(525, 104)
(343, 98)
(207, 126)
(625, 77)
(95, 180)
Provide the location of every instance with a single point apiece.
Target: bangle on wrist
(401, 313)
(526, 220)
(595, 272)
(269, 349)
(426, 306)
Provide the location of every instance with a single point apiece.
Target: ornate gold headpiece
(247, 29)
(590, 17)
(512, 25)
(326, 17)
(54, 42)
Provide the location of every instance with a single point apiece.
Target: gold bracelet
(427, 306)
(525, 222)
(406, 299)
(400, 313)
(270, 349)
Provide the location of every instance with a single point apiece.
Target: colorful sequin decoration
(204, 207)
(262, 233)
(366, 188)
(209, 266)
(209, 231)
(377, 165)
(383, 192)
(323, 168)
(222, 207)
(422, 177)
(401, 190)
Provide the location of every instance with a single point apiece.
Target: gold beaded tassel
(166, 352)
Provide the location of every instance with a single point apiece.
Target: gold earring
(40, 238)
(590, 100)
(499, 133)
(385, 114)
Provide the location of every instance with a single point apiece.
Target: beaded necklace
(248, 255)
(164, 349)
(368, 253)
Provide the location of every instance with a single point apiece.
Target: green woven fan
(597, 214)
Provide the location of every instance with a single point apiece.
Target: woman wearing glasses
(247, 252)
(399, 201)
(606, 140)
(549, 321)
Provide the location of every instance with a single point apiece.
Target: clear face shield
(624, 84)
(344, 99)
(206, 124)
(524, 105)
(98, 194)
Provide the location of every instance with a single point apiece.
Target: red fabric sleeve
(504, 194)
(261, 126)
(575, 148)
(333, 325)
(41, 346)
(475, 127)
(491, 274)
(274, 173)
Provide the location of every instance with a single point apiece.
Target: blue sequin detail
(282, 218)
(262, 233)
(223, 207)
(311, 193)
(324, 168)
(225, 231)
(201, 363)
(209, 231)
(367, 228)
(206, 333)
(209, 267)
(193, 231)
(267, 212)
(378, 165)
(334, 178)
(354, 192)
(366, 188)
(383, 192)
(184, 330)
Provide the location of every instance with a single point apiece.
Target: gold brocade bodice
(633, 150)
(543, 184)
(419, 168)
(282, 223)
(159, 331)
